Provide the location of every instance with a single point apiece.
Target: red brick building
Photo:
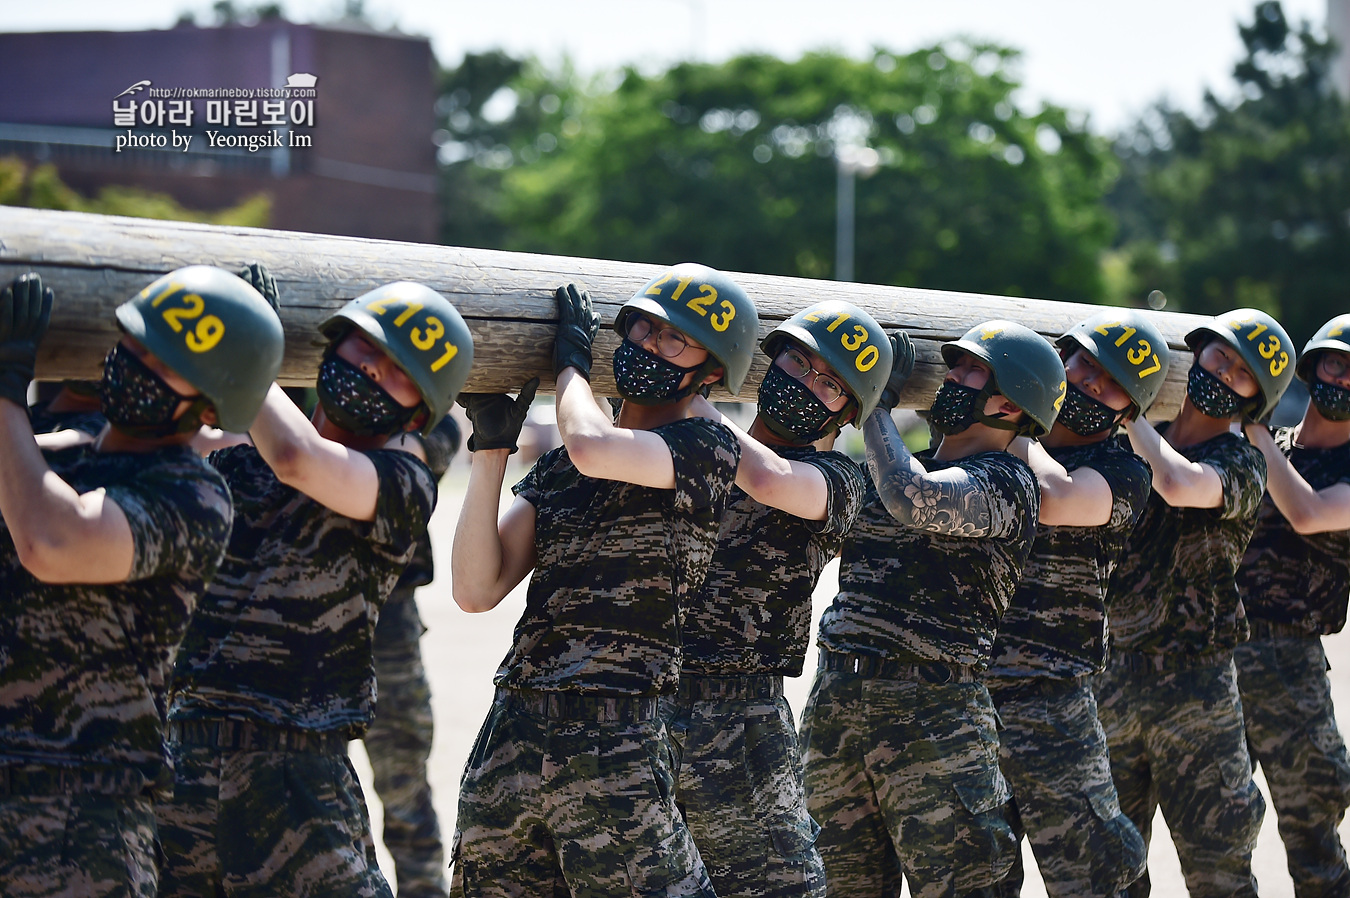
(369, 166)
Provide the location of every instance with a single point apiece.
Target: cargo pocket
(462, 882)
(989, 848)
(1117, 849)
(795, 861)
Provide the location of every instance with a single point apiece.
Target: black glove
(496, 417)
(259, 278)
(902, 366)
(25, 312)
(577, 324)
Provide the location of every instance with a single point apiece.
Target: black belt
(252, 735)
(698, 688)
(1147, 662)
(872, 667)
(48, 780)
(575, 706)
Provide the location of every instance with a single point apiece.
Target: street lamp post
(850, 161)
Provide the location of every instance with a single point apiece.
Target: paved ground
(463, 650)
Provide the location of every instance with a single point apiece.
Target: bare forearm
(476, 551)
(1181, 482)
(945, 502)
(1308, 510)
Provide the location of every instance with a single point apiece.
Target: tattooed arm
(949, 501)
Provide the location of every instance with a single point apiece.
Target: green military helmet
(707, 305)
(849, 340)
(1129, 347)
(216, 332)
(1262, 343)
(421, 332)
(1027, 371)
(1335, 334)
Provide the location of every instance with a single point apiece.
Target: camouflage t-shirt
(753, 615)
(1174, 591)
(617, 567)
(84, 667)
(1290, 578)
(45, 421)
(1056, 624)
(283, 635)
(910, 595)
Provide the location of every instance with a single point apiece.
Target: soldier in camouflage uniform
(570, 785)
(740, 774)
(1294, 581)
(398, 741)
(106, 547)
(275, 674)
(1053, 637)
(1168, 699)
(899, 734)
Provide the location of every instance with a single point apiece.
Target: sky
(1110, 60)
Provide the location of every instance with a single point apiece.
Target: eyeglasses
(797, 365)
(1333, 363)
(669, 342)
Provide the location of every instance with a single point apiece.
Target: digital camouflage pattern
(1052, 749)
(618, 565)
(398, 744)
(740, 774)
(753, 615)
(1174, 591)
(85, 845)
(83, 672)
(552, 805)
(1292, 732)
(45, 421)
(84, 667)
(265, 823)
(1299, 581)
(903, 774)
(1056, 624)
(1295, 587)
(739, 786)
(1177, 742)
(398, 741)
(912, 595)
(283, 634)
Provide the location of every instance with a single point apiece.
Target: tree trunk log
(95, 262)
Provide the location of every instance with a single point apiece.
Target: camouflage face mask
(1331, 400)
(953, 408)
(354, 402)
(789, 409)
(138, 402)
(646, 378)
(1084, 415)
(1211, 397)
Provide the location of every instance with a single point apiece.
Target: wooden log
(95, 262)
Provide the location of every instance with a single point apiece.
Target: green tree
(1246, 204)
(733, 165)
(41, 187)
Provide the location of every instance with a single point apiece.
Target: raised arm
(795, 487)
(490, 556)
(1182, 483)
(1077, 498)
(596, 446)
(60, 535)
(1308, 510)
(949, 501)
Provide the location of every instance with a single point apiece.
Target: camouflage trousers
(740, 787)
(398, 743)
(77, 845)
(902, 775)
(246, 823)
(1291, 731)
(1177, 742)
(570, 793)
(1053, 751)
